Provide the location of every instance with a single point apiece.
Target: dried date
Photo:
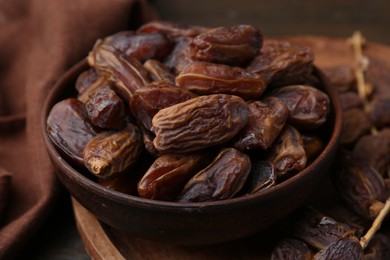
(172, 30)
(168, 174)
(290, 248)
(261, 177)
(313, 145)
(209, 78)
(288, 154)
(220, 180)
(342, 78)
(113, 152)
(266, 120)
(199, 122)
(356, 123)
(158, 71)
(234, 45)
(380, 112)
(344, 248)
(281, 63)
(106, 109)
(86, 80)
(70, 129)
(308, 107)
(179, 58)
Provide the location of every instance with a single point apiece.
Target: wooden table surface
(58, 238)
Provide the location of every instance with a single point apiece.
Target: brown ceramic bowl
(191, 223)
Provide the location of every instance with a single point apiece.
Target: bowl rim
(240, 201)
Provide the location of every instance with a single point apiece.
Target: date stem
(365, 240)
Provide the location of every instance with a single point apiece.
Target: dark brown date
(288, 154)
(266, 120)
(380, 112)
(85, 80)
(361, 186)
(167, 176)
(356, 123)
(210, 78)
(140, 46)
(113, 152)
(344, 248)
(126, 73)
(105, 109)
(222, 179)
(158, 71)
(313, 145)
(290, 248)
(146, 102)
(318, 230)
(308, 107)
(70, 129)
(261, 177)
(281, 63)
(172, 30)
(342, 77)
(350, 99)
(199, 123)
(234, 45)
(179, 57)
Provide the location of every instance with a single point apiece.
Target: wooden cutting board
(103, 242)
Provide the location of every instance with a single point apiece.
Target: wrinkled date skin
(106, 109)
(158, 71)
(70, 129)
(126, 73)
(308, 107)
(318, 230)
(235, 45)
(281, 63)
(146, 102)
(211, 78)
(172, 30)
(113, 152)
(199, 122)
(261, 177)
(85, 80)
(344, 248)
(140, 46)
(222, 179)
(361, 187)
(290, 248)
(266, 120)
(167, 176)
(288, 154)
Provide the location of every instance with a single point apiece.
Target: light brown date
(222, 179)
(234, 45)
(199, 122)
(210, 78)
(281, 63)
(126, 73)
(288, 154)
(266, 120)
(168, 174)
(308, 107)
(106, 109)
(70, 129)
(146, 102)
(113, 152)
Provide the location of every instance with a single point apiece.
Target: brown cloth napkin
(39, 40)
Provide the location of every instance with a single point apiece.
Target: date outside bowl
(191, 223)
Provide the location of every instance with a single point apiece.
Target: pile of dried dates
(193, 114)
(346, 226)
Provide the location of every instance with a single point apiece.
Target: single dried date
(113, 152)
(290, 248)
(179, 58)
(222, 179)
(380, 112)
(199, 122)
(266, 120)
(209, 78)
(261, 177)
(106, 109)
(344, 248)
(281, 63)
(313, 145)
(85, 80)
(168, 174)
(308, 107)
(70, 129)
(288, 154)
(158, 71)
(234, 45)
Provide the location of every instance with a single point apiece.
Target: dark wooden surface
(59, 239)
